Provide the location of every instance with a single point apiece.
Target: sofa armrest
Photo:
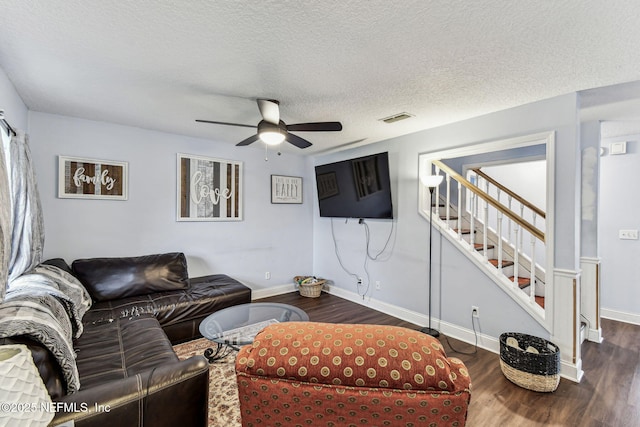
(169, 395)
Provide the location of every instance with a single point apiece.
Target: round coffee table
(238, 325)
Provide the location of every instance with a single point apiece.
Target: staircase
(492, 232)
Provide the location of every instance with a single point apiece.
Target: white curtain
(25, 227)
(5, 215)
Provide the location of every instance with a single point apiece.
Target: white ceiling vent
(397, 117)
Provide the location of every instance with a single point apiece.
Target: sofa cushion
(179, 312)
(340, 374)
(122, 348)
(114, 278)
(353, 355)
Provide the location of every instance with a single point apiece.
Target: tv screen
(355, 188)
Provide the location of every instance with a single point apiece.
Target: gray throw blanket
(47, 305)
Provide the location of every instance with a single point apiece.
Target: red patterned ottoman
(324, 374)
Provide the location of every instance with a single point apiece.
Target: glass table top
(239, 324)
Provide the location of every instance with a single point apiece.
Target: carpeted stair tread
(523, 282)
(463, 231)
(451, 217)
(505, 263)
(480, 246)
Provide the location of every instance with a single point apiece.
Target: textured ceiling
(161, 64)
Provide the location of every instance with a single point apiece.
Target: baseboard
(392, 310)
(595, 335)
(485, 342)
(620, 316)
(571, 372)
(272, 291)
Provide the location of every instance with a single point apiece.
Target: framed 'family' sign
(209, 189)
(80, 178)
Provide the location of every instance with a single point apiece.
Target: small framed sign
(286, 189)
(80, 178)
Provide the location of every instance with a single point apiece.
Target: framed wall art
(81, 178)
(286, 189)
(209, 189)
(327, 184)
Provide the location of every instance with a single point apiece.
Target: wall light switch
(628, 234)
(618, 147)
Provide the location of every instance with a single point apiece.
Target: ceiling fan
(273, 131)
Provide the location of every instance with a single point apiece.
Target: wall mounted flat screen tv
(355, 188)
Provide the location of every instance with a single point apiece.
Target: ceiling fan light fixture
(272, 137)
(272, 133)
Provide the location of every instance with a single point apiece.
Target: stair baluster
(532, 278)
(521, 229)
(474, 204)
(459, 210)
(515, 256)
(509, 235)
(437, 195)
(448, 197)
(532, 283)
(500, 240)
(485, 221)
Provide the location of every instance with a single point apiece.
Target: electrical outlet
(475, 311)
(628, 234)
(267, 275)
(378, 285)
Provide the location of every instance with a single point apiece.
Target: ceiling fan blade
(270, 110)
(315, 127)
(297, 141)
(226, 123)
(248, 141)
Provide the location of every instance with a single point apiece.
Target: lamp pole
(431, 181)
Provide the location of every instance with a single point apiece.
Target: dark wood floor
(609, 394)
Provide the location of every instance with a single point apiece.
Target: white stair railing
(508, 245)
(523, 208)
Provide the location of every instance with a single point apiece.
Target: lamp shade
(24, 400)
(431, 180)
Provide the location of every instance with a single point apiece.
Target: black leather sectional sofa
(129, 374)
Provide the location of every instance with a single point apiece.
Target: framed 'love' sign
(209, 189)
(80, 178)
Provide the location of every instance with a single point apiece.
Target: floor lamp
(431, 182)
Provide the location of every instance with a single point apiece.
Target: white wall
(458, 284)
(619, 207)
(274, 238)
(15, 111)
(528, 179)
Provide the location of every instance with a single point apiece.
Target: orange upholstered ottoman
(323, 374)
